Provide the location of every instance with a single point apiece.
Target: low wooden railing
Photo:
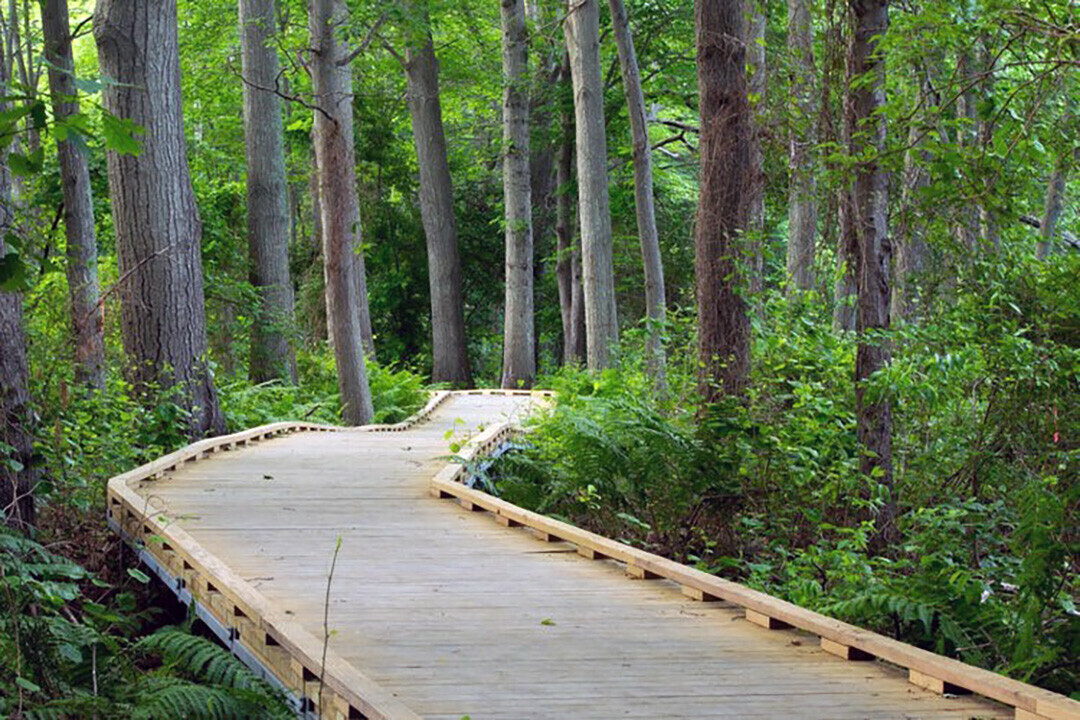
(925, 669)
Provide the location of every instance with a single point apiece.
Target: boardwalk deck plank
(457, 615)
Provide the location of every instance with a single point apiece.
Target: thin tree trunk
(158, 231)
(984, 129)
(568, 268)
(966, 230)
(82, 272)
(723, 324)
(338, 203)
(802, 204)
(582, 31)
(870, 201)
(910, 246)
(267, 197)
(519, 359)
(449, 346)
(655, 302)
(1055, 196)
(755, 53)
(847, 251)
(17, 474)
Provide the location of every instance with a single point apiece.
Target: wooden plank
(765, 621)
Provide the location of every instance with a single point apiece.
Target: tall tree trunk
(723, 324)
(82, 272)
(910, 246)
(755, 55)
(655, 302)
(519, 359)
(966, 230)
(847, 251)
(17, 473)
(449, 346)
(984, 129)
(338, 203)
(568, 268)
(267, 197)
(1055, 196)
(158, 231)
(582, 30)
(802, 204)
(870, 20)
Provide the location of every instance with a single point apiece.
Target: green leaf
(26, 684)
(139, 575)
(121, 134)
(14, 274)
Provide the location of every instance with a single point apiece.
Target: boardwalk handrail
(276, 642)
(926, 669)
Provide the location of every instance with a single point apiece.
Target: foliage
(63, 654)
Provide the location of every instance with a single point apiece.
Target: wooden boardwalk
(440, 612)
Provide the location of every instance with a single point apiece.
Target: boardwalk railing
(291, 656)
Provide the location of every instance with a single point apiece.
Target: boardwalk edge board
(267, 640)
(926, 669)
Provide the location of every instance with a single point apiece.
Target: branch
(372, 32)
(1070, 239)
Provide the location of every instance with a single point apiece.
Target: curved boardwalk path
(439, 612)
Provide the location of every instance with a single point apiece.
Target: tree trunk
(802, 204)
(267, 197)
(519, 359)
(338, 203)
(847, 251)
(158, 231)
(17, 474)
(755, 52)
(655, 302)
(449, 347)
(582, 30)
(82, 273)
(568, 268)
(723, 324)
(870, 19)
(910, 245)
(1055, 195)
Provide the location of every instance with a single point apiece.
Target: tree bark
(802, 204)
(158, 231)
(519, 359)
(582, 31)
(568, 268)
(82, 273)
(755, 52)
(723, 324)
(1055, 196)
(910, 246)
(847, 251)
(655, 301)
(870, 20)
(338, 203)
(17, 474)
(449, 344)
(267, 197)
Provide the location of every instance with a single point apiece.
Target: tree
(568, 265)
(158, 231)
(16, 433)
(449, 347)
(519, 358)
(723, 205)
(758, 84)
(267, 197)
(655, 302)
(582, 31)
(802, 202)
(870, 195)
(1055, 196)
(82, 275)
(336, 161)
